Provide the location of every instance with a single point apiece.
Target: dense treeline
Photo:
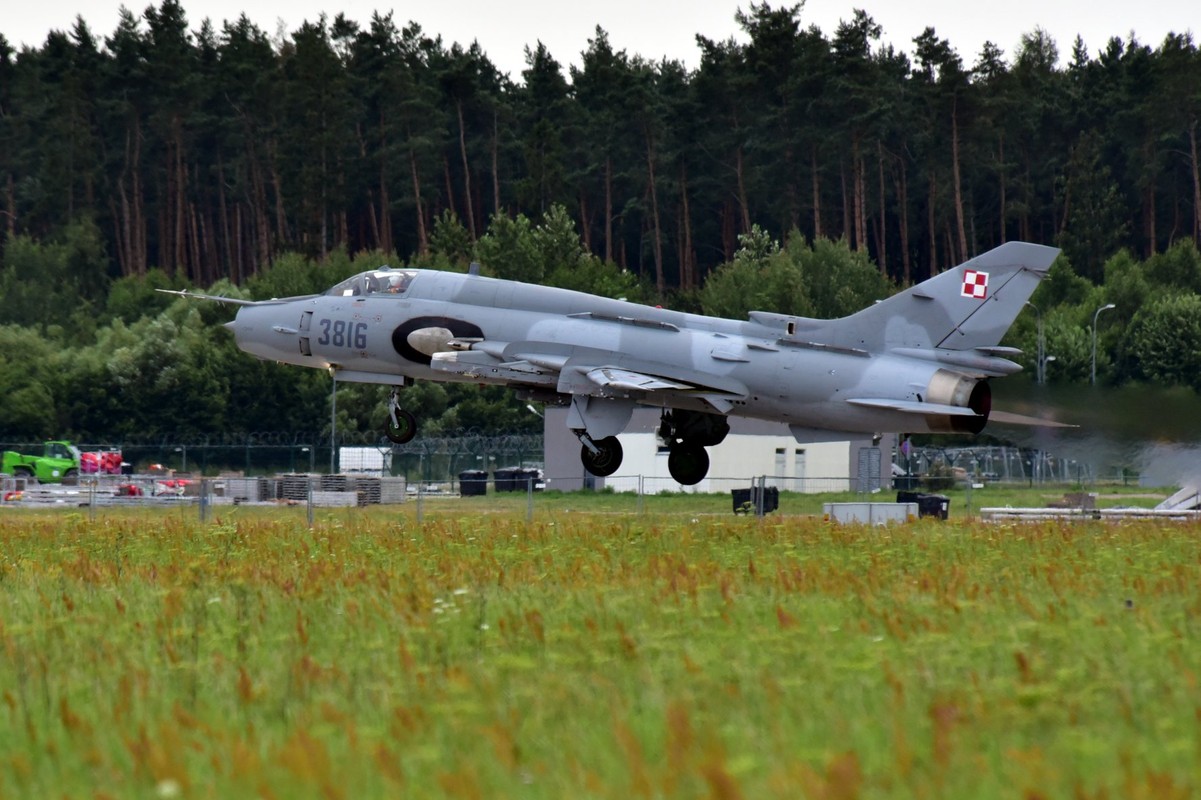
(209, 152)
(797, 172)
(126, 363)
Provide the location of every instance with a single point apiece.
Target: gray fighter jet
(919, 361)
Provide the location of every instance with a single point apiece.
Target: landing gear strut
(402, 425)
(601, 457)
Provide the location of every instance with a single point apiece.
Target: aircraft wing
(590, 372)
(628, 381)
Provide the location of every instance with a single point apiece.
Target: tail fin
(968, 307)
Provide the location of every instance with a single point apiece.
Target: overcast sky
(654, 28)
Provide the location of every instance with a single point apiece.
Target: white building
(753, 448)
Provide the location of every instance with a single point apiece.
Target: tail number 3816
(340, 333)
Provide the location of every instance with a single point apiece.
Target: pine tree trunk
(385, 201)
(688, 258)
(1150, 211)
(373, 219)
(743, 204)
(881, 228)
(585, 223)
(181, 204)
(933, 233)
(495, 161)
(660, 281)
(10, 201)
(466, 170)
(903, 200)
(423, 244)
(240, 251)
(847, 227)
(223, 216)
(860, 198)
(608, 209)
(817, 195)
(963, 253)
(450, 191)
(794, 218)
(1001, 182)
(1192, 141)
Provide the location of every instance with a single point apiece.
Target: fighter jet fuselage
(919, 361)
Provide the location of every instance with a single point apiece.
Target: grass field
(594, 654)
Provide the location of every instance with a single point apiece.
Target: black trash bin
(473, 483)
(528, 478)
(928, 505)
(507, 480)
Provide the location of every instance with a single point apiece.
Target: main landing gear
(687, 434)
(402, 425)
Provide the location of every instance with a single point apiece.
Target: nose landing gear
(402, 425)
(601, 457)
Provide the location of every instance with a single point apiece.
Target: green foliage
(1164, 341)
(1178, 269)
(60, 282)
(839, 280)
(134, 296)
(1062, 286)
(1071, 344)
(761, 277)
(826, 279)
(508, 250)
(29, 382)
(450, 240)
(1126, 286)
(294, 275)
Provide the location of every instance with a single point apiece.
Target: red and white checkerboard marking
(975, 284)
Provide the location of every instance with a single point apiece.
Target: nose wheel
(402, 425)
(601, 457)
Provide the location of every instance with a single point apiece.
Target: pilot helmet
(394, 283)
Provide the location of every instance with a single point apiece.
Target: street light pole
(333, 422)
(1096, 314)
(1040, 364)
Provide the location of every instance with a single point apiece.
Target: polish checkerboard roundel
(975, 284)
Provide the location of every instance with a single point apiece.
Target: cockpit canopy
(384, 280)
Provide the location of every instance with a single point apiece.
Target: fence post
(309, 502)
(529, 489)
(641, 489)
(759, 497)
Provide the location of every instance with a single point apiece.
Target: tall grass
(595, 655)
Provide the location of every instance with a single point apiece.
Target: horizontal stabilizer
(1009, 418)
(914, 407)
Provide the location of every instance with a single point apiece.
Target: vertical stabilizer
(967, 307)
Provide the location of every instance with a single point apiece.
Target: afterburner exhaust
(955, 389)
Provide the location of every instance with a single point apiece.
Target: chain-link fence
(431, 459)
